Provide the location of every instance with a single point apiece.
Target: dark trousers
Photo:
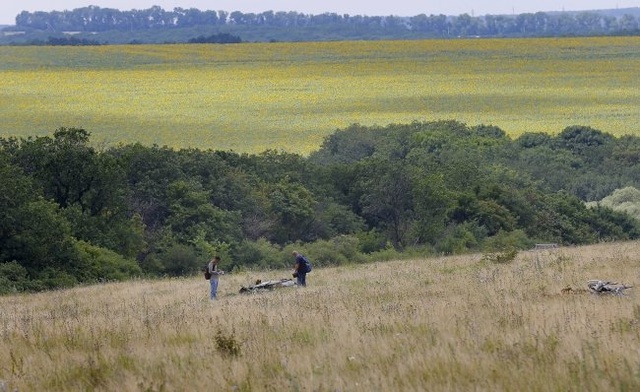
(302, 279)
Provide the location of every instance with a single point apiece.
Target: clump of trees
(626, 199)
(222, 38)
(70, 41)
(70, 214)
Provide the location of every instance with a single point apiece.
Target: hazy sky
(10, 8)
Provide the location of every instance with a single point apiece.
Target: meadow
(460, 323)
(256, 96)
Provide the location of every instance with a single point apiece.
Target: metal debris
(606, 287)
(267, 286)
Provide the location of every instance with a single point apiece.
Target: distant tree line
(295, 25)
(71, 214)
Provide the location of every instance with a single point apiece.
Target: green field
(253, 97)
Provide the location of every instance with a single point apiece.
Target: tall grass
(289, 96)
(439, 324)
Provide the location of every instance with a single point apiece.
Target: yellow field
(251, 97)
(439, 324)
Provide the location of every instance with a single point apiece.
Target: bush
(259, 253)
(321, 253)
(98, 264)
(508, 239)
(13, 278)
(50, 279)
(348, 246)
(151, 265)
(180, 260)
(337, 251)
(459, 239)
(370, 241)
(504, 257)
(227, 345)
(387, 254)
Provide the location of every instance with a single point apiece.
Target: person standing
(215, 273)
(300, 269)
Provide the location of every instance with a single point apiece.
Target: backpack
(207, 274)
(307, 264)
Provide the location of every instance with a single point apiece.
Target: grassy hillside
(442, 324)
(252, 97)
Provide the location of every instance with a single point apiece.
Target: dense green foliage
(156, 25)
(72, 214)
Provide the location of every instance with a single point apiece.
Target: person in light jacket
(215, 273)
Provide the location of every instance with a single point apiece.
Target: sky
(10, 8)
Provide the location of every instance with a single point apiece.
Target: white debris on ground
(269, 285)
(606, 287)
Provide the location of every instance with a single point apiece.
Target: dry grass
(439, 324)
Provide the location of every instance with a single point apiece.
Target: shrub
(50, 278)
(504, 257)
(98, 264)
(337, 251)
(259, 253)
(227, 345)
(13, 278)
(370, 241)
(517, 239)
(348, 246)
(386, 254)
(459, 239)
(180, 260)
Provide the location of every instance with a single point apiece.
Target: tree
(387, 201)
(89, 187)
(192, 213)
(626, 200)
(590, 144)
(32, 230)
(432, 203)
(293, 207)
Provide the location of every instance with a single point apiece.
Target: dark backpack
(307, 264)
(207, 274)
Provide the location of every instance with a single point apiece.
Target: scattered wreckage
(269, 285)
(599, 287)
(606, 287)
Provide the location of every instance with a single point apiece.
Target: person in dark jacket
(299, 269)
